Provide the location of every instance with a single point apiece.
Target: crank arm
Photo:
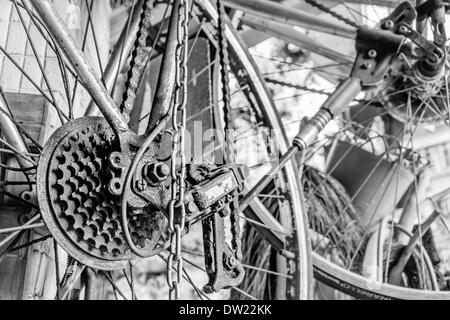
(223, 269)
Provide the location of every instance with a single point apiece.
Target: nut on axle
(156, 173)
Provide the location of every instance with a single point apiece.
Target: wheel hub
(426, 96)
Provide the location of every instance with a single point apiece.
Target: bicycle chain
(224, 61)
(303, 88)
(331, 12)
(138, 61)
(178, 186)
(295, 86)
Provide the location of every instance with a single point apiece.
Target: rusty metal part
(77, 207)
(166, 81)
(223, 267)
(119, 55)
(49, 15)
(146, 177)
(224, 62)
(215, 197)
(128, 195)
(179, 25)
(212, 189)
(138, 61)
(148, 185)
(156, 173)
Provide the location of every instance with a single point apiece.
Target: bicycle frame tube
(49, 15)
(280, 13)
(381, 3)
(290, 35)
(120, 53)
(167, 76)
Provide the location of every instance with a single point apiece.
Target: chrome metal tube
(337, 102)
(283, 14)
(50, 16)
(344, 94)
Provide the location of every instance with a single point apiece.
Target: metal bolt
(156, 173)
(403, 30)
(117, 160)
(373, 54)
(162, 170)
(27, 196)
(115, 186)
(389, 24)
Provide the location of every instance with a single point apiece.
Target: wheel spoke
(41, 67)
(94, 36)
(21, 228)
(16, 233)
(57, 274)
(113, 284)
(244, 293)
(30, 243)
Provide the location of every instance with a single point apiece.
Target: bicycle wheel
(71, 171)
(368, 164)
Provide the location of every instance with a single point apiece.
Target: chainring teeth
(77, 196)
